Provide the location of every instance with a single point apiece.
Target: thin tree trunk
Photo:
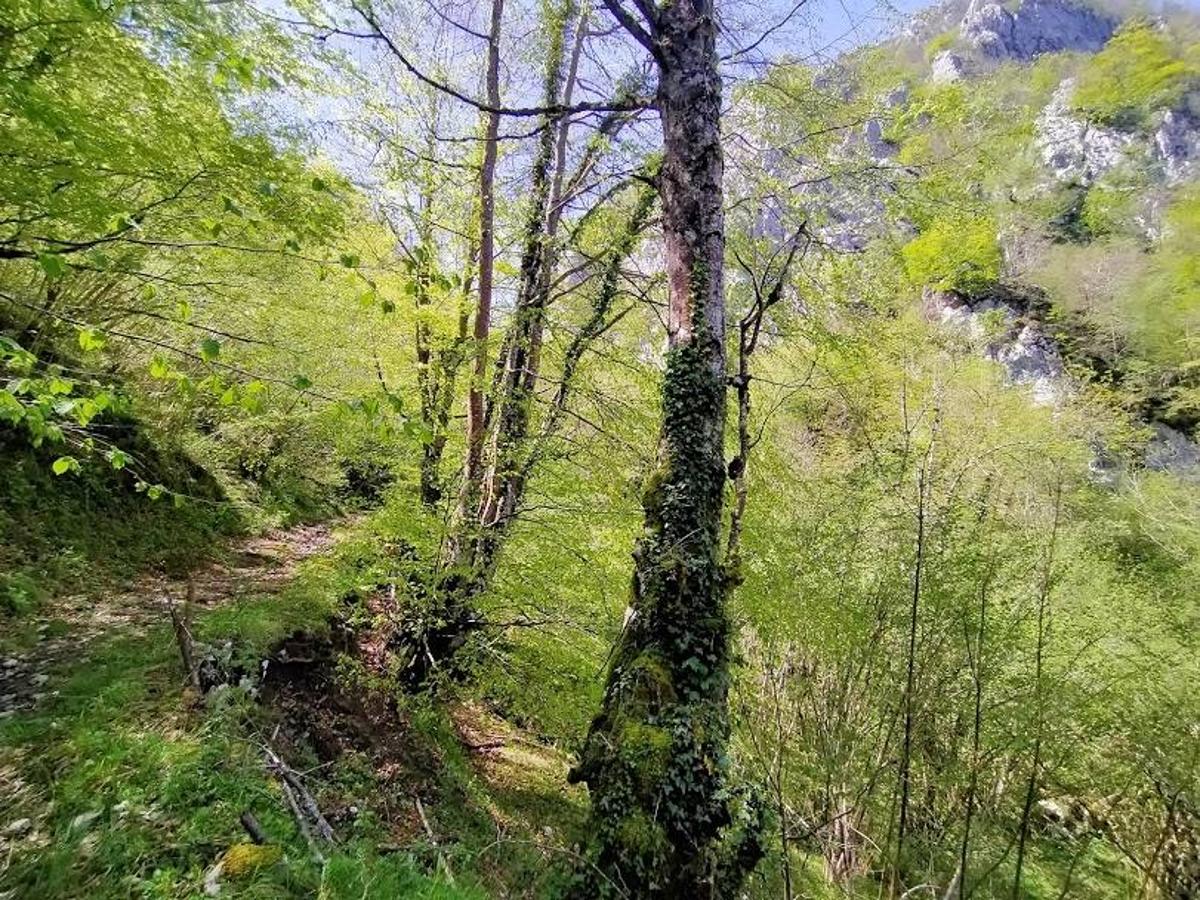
(923, 479)
(976, 734)
(518, 363)
(1038, 695)
(468, 501)
(653, 756)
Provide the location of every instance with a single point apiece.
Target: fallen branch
(304, 807)
(253, 828)
(442, 863)
(181, 623)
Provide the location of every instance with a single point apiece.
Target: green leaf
(268, 189)
(301, 382)
(210, 349)
(116, 458)
(389, 306)
(318, 184)
(64, 464)
(159, 367)
(60, 386)
(154, 491)
(91, 340)
(417, 431)
(349, 260)
(11, 409)
(184, 310)
(53, 265)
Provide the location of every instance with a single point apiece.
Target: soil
(258, 565)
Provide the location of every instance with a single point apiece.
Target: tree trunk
(519, 361)
(653, 759)
(459, 549)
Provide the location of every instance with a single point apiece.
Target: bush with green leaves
(954, 254)
(1144, 67)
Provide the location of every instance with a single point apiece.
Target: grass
(50, 543)
(133, 793)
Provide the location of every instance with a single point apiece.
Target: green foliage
(940, 42)
(954, 254)
(50, 504)
(1141, 69)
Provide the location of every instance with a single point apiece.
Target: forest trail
(67, 626)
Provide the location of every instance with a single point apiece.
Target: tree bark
(653, 759)
(468, 501)
(518, 365)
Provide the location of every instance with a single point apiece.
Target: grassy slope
(169, 781)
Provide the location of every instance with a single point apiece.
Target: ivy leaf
(301, 382)
(210, 349)
(389, 306)
(116, 458)
(154, 491)
(64, 464)
(268, 189)
(349, 260)
(184, 310)
(318, 184)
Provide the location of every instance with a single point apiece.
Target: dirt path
(258, 565)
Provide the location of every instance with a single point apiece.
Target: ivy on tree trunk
(655, 756)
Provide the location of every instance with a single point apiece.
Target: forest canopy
(599, 449)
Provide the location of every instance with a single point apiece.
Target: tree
(654, 759)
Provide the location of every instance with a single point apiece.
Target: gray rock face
(1177, 145)
(896, 97)
(1031, 358)
(948, 67)
(1028, 355)
(877, 147)
(1033, 28)
(1170, 450)
(1075, 150)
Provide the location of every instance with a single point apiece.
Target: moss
(649, 680)
(640, 835)
(244, 859)
(647, 749)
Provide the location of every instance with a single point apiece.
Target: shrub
(1138, 71)
(943, 41)
(954, 254)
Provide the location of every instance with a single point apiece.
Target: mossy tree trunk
(654, 757)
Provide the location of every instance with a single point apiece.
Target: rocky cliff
(1037, 164)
